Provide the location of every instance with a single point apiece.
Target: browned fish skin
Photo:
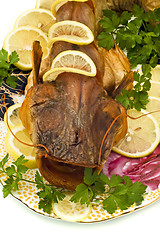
(72, 123)
(127, 5)
(71, 120)
(77, 11)
(71, 115)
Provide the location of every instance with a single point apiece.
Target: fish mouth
(60, 174)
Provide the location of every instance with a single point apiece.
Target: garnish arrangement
(110, 191)
(122, 192)
(138, 33)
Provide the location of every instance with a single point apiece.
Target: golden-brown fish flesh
(71, 115)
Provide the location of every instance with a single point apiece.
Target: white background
(19, 222)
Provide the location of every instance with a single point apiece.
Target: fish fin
(126, 83)
(36, 61)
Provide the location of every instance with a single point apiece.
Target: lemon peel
(70, 31)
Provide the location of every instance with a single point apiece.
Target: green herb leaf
(138, 32)
(138, 97)
(106, 40)
(115, 180)
(46, 205)
(123, 195)
(14, 173)
(21, 160)
(39, 180)
(4, 161)
(6, 67)
(109, 204)
(138, 12)
(135, 191)
(89, 176)
(121, 192)
(82, 194)
(7, 189)
(47, 195)
(11, 170)
(14, 58)
(3, 55)
(12, 81)
(107, 25)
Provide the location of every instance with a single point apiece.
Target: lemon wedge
(70, 211)
(70, 31)
(21, 40)
(56, 4)
(142, 136)
(16, 149)
(71, 61)
(12, 116)
(40, 18)
(155, 89)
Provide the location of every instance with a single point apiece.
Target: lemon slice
(13, 115)
(142, 136)
(71, 61)
(70, 211)
(70, 31)
(16, 149)
(155, 89)
(156, 73)
(75, 59)
(154, 105)
(56, 4)
(21, 40)
(40, 18)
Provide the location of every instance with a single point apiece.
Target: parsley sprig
(47, 193)
(14, 173)
(137, 97)
(137, 32)
(7, 68)
(120, 191)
